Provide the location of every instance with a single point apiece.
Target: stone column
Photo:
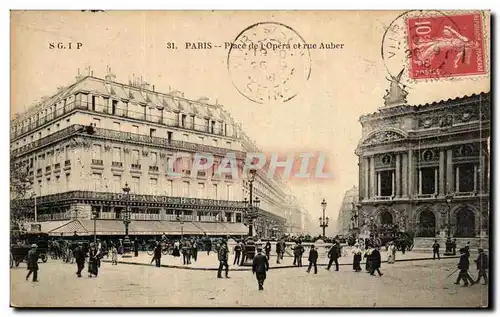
(393, 184)
(435, 181)
(420, 181)
(440, 188)
(449, 172)
(379, 183)
(404, 175)
(398, 175)
(372, 176)
(475, 178)
(457, 180)
(366, 175)
(411, 167)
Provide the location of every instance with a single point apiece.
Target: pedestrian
(157, 254)
(367, 254)
(99, 252)
(357, 258)
(33, 263)
(186, 252)
(194, 250)
(297, 252)
(260, 266)
(375, 262)
(390, 258)
(209, 246)
(463, 266)
(435, 250)
(279, 250)
(136, 247)
(482, 266)
(267, 249)
(223, 256)
(176, 253)
(313, 259)
(243, 253)
(454, 246)
(79, 255)
(114, 255)
(237, 253)
(93, 264)
(334, 255)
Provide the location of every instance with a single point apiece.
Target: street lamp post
(252, 207)
(181, 222)
(126, 220)
(448, 244)
(95, 214)
(323, 221)
(355, 217)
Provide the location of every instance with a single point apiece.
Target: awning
(236, 228)
(47, 226)
(69, 229)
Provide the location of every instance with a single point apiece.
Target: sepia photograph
(250, 159)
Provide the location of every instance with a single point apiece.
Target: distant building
(345, 219)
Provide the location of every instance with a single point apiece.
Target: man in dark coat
(463, 266)
(334, 255)
(267, 249)
(223, 256)
(482, 266)
(136, 247)
(79, 255)
(313, 259)
(243, 252)
(33, 263)
(435, 250)
(280, 249)
(208, 245)
(297, 252)
(194, 250)
(260, 266)
(237, 253)
(157, 254)
(375, 262)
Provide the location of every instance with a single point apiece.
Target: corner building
(426, 168)
(77, 172)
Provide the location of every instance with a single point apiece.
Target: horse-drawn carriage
(401, 239)
(19, 252)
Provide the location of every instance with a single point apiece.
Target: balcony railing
(97, 162)
(116, 164)
(174, 145)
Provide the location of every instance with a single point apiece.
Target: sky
(344, 83)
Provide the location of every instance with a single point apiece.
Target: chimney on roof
(153, 87)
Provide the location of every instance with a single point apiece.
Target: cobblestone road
(418, 283)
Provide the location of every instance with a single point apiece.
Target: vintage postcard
(250, 158)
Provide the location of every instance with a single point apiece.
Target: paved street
(210, 261)
(408, 284)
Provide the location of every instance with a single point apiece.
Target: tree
(21, 205)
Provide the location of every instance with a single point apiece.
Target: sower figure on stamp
(33, 263)
(80, 259)
(223, 256)
(313, 259)
(260, 266)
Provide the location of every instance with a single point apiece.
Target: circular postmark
(269, 61)
(432, 45)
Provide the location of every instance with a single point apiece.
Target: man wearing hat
(463, 265)
(482, 266)
(79, 255)
(260, 266)
(33, 263)
(223, 256)
(313, 259)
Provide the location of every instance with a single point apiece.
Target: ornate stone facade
(426, 168)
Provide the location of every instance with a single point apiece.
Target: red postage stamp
(446, 46)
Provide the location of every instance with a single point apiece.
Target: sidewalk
(211, 263)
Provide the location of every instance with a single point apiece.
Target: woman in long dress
(390, 256)
(176, 251)
(357, 258)
(93, 254)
